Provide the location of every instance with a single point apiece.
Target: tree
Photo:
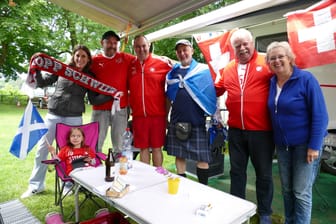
(40, 26)
(26, 29)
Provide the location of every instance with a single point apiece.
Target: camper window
(263, 41)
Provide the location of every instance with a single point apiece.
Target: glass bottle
(109, 163)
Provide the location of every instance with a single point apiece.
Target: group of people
(273, 107)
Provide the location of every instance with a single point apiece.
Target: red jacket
(113, 72)
(247, 106)
(147, 86)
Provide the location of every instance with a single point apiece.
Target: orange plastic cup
(123, 165)
(173, 185)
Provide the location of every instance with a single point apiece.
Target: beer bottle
(109, 162)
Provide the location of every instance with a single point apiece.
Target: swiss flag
(217, 50)
(312, 34)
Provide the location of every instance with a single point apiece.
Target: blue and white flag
(31, 130)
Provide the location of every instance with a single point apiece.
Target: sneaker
(265, 219)
(30, 193)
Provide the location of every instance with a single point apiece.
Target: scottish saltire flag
(31, 130)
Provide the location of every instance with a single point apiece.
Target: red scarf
(49, 64)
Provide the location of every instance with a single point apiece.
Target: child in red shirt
(75, 149)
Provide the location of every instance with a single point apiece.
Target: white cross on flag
(31, 130)
(312, 34)
(217, 51)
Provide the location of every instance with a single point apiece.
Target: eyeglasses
(274, 58)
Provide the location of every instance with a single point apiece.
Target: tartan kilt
(195, 148)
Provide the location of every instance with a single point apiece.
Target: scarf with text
(49, 64)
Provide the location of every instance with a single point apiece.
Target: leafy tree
(40, 26)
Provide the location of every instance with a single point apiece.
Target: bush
(13, 99)
(11, 95)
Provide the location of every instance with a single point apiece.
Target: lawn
(15, 173)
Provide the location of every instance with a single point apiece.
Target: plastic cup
(173, 185)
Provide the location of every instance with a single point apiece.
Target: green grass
(15, 173)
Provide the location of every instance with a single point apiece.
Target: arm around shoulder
(97, 98)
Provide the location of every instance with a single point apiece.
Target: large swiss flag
(312, 34)
(217, 51)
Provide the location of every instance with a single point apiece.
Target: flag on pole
(312, 34)
(217, 50)
(31, 130)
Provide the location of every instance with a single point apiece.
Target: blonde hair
(284, 45)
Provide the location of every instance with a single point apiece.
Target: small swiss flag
(312, 34)
(217, 51)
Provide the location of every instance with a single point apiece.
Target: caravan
(268, 25)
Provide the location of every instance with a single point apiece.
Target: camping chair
(91, 131)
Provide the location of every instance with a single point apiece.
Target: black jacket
(68, 98)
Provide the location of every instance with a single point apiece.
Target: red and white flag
(217, 51)
(312, 34)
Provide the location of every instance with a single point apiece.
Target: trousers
(259, 147)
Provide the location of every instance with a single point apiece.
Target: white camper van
(268, 25)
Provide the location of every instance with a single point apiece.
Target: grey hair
(284, 45)
(240, 34)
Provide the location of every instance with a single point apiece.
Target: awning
(140, 14)
(204, 23)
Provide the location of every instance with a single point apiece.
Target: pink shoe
(101, 212)
(54, 218)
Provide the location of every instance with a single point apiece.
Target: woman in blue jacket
(299, 119)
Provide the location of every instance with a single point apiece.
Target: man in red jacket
(146, 77)
(246, 80)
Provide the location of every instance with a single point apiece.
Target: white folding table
(148, 200)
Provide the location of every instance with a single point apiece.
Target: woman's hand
(312, 155)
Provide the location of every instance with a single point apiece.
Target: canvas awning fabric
(141, 15)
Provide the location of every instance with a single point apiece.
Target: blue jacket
(300, 116)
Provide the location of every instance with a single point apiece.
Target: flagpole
(46, 140)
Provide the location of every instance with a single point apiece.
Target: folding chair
(91, 131)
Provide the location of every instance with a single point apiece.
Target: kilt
(195, 148)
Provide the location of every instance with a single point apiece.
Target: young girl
(75, 149)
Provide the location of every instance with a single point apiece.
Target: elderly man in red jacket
(246, 80)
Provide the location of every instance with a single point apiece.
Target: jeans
(297, 177)
(259, 147)
(37, 178)
(118, 123)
